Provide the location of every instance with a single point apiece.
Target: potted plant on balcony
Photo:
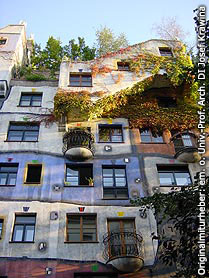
(91, 181)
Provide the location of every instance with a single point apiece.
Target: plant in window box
(91, 181)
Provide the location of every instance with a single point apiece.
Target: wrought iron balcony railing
(78, 143)
(122, 244)
(185, 144)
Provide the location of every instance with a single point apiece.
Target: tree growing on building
(107, 41)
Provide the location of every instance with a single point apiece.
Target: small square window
(28, 99)
(3, 41)
(1, 227)
(79, 175)
(80, 80)
(174, 175)
(34, 173)
(123, 66)
(147, 136)
(81, 228)
(8, 174)
(23, 132)
(110, 133)
(165, 51)
(24, 228)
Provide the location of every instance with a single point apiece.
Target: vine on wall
(134, 103)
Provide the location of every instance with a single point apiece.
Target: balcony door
(122, 237)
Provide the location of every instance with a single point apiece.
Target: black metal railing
(78, 138)
(122, 244)
(184, 141)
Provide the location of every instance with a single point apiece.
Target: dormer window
(166, 102)
(80, 80)
(165, 51)
(123, 66)
(3, 41)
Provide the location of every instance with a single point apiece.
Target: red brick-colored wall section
(165, 148)
(29, 268)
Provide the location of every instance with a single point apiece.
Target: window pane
(122, 193)
(74, 236)
(120, 182)
(29, 233)
(25, 102)
(89, 236)
(182, 178)
(109, 193)
(104, 134)
(12, 179)
(36, 101)
(74, 222)
(3, 178)
(15, 135)
(25, 219)
(75, 78)
(18, 233)
(157, 139)
(166, 179)
(108, 181)
(187, 140)
(116, 138)
(107, 172)
(72, 172)
(72, 180)
(120, 172)
(8, 169)
(30, 136)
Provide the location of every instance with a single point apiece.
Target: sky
(68, 19)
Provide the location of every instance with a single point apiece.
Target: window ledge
(115, 199)
(21, 241)
(80, 86)
(28, 106)
(21, 141)
(32, 183)
(7, 185)
(77, 186)
(79, 242)
(109, 142)
(153, 143)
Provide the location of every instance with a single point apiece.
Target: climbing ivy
(137, 103)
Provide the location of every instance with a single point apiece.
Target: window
(80, 80)
(147, 136)
(79, 175)
(123, 242)
(1, 228)
(166, 102)
(123, 66)
(3, 41)
(174, 175)
(81, 228)
(23, 132)
(33, 173)
(165, 51)
(28, 99)
(182, 140)
(8, 174)
(114, 182)
(24, 228)
(110, 133)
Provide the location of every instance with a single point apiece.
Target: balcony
(78, 144)
(185, 147)
(123, 250)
